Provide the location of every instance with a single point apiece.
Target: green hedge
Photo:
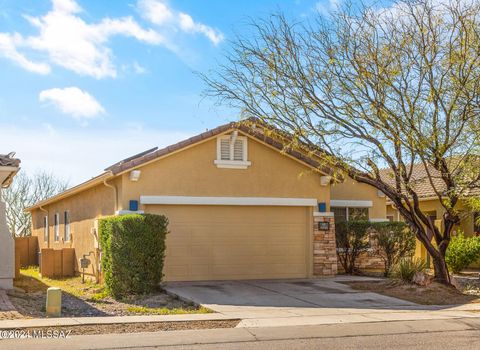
(352, 239)
(462, 251)
(133, 250)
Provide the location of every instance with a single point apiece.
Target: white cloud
(187, 24)
(159, 13)
(155, 11)
(325, 7)
(70, 42)
(38, 148)
(137, 68)
(73, 101)
(8, 43)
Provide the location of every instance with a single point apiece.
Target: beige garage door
(235, 242)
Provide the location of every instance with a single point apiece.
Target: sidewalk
(326, 317)
(240, 335)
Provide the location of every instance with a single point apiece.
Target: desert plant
(394, 241)
(406, 269)
(462, 251)
(133, 250)
(352, 240)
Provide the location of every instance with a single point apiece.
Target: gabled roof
(252, 128)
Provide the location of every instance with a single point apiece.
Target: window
(357, 213)
(56, 227)
(45, 228)
(349, 213)
(232, 152)
(66, 221)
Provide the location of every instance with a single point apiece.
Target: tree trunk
(440, 269)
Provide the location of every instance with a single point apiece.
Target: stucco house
(431, 205)
(9, 166)
(240, 206)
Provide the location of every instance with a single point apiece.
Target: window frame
(66, 226)
(347, 211)
(231, 163)
(56, 227)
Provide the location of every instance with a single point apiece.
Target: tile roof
(251, 127)
(8, 160)
(425, 187)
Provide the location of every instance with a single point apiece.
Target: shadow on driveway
(300, 297)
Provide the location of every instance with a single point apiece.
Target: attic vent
(232, 152)
(225, 149)
(238, 150)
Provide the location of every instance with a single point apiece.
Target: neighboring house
(239, 205)
(9, 166)
(431, 205)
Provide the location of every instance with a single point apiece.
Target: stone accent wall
(324, 248)
(367, 262)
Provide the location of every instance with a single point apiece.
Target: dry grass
(138, 327)
(31, 282)
(433, 294)
(91, 299)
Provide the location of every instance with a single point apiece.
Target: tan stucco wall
(435, 207)
(85, 207)
(352, 190)
(192, 172)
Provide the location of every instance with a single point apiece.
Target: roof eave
(71, 191)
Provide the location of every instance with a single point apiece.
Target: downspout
(115, 193)
(98, 252)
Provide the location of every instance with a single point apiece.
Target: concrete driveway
(285, 299)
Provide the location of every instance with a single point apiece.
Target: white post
(7, 251)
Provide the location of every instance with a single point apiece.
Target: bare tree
(25, 191)
(372, 88)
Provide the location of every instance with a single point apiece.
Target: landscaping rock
(422, 279)
(456, 283)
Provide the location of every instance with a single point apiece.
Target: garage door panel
(234, 242)
(286, 250)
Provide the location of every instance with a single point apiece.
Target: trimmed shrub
(394, 241)
(352, 239)
(462, 251)
(133, 250)
(406, 269)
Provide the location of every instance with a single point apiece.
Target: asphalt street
(459, 333)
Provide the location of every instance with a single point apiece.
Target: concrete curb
(80, 321)
(181, 298)
(217, 337)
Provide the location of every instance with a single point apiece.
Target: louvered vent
(225, 149)
(238, 150)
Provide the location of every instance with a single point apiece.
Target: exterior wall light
(135, 175)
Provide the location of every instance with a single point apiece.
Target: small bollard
(54, 302)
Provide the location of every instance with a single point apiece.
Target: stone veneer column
(324, 246)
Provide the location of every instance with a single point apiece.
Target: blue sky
(85, 83)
